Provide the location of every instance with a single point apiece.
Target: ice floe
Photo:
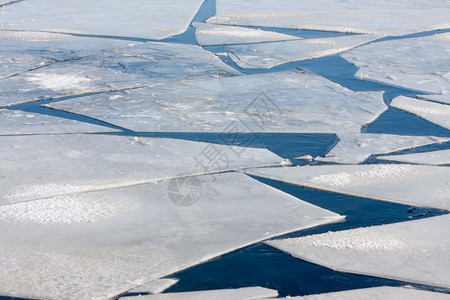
(274, 102)
(211, 34)
(155, 287)
(440, 157)
(415, 63)
(148, 239)
(142, 19)
(36, 167)
(405, 184)
(436, 113)
(414, 251)
(438, 98)
(356, 148)
(269, 55)
(386, 17)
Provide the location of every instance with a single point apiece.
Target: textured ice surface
(147, 239)
(413, 251)
(20, 122)
(155, 287)
(441, 157)
(211, 34)
(36, 167)
(356, 148)
(139, 64)
(406, 184)
(416, 63)
(292, 102)
(144, 19)
(269, 55)
(438, 98)
(377, 293)
(241, 293)
(386, 17)
(434, 112)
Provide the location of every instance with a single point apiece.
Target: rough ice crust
(440, 157)
(413, 251)
(273, 102)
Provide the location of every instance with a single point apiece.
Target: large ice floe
(414, 251)
(356, 148)
(142, 19)
(100, 244)
(269, 55)
(137, 65)
(274, 102)
(211, 34)
(440, 157)
(386, 17)
(416, 185)
(36, 167)
(436, 113)
(415, 63)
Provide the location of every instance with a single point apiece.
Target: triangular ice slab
(405, 184)
(414, 251)
(108, 242)
(441, 157)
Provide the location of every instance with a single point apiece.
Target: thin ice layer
(139, 64)
(386, 17)
(36, 167)
(248, 293)
(273, 102)
(436, 113)
(147, 239)
(405, 184)
(438, 98)
(413, 251)
(377, 293)
(356, 148)
(420, 64)
(269, 55)
(211, 34)
(155, 287)
(21, 122)
(142, 19)
(436, 158)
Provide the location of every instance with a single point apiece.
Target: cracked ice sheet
(293, 102)
(139, 64)
(35, 167)
(136, 235)
(248, 293)
(20, 122)
(436, 158)
(210, 34)
(415, 63)
(436, 113)
(151, 19)
(413, 251)
(425, 186)
(386, 17)
(156, 286)
(356, 148)
(269, 55)
(377, 293)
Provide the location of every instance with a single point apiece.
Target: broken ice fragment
(440, 157)
(155, 287)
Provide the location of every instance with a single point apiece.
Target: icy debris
(210, 34)
(269, 55)
(356, 148)
(436, 113)
(436, 158)
(35, 167)
(21, 122)
(415, 63)
(273, 102)
(413, 251)
(156, 286)
(143, 19)
(405, 184)
(437, 98)
(305, 158)
(386, 17)
(248, 293)
(151, 239)
(377, 293)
